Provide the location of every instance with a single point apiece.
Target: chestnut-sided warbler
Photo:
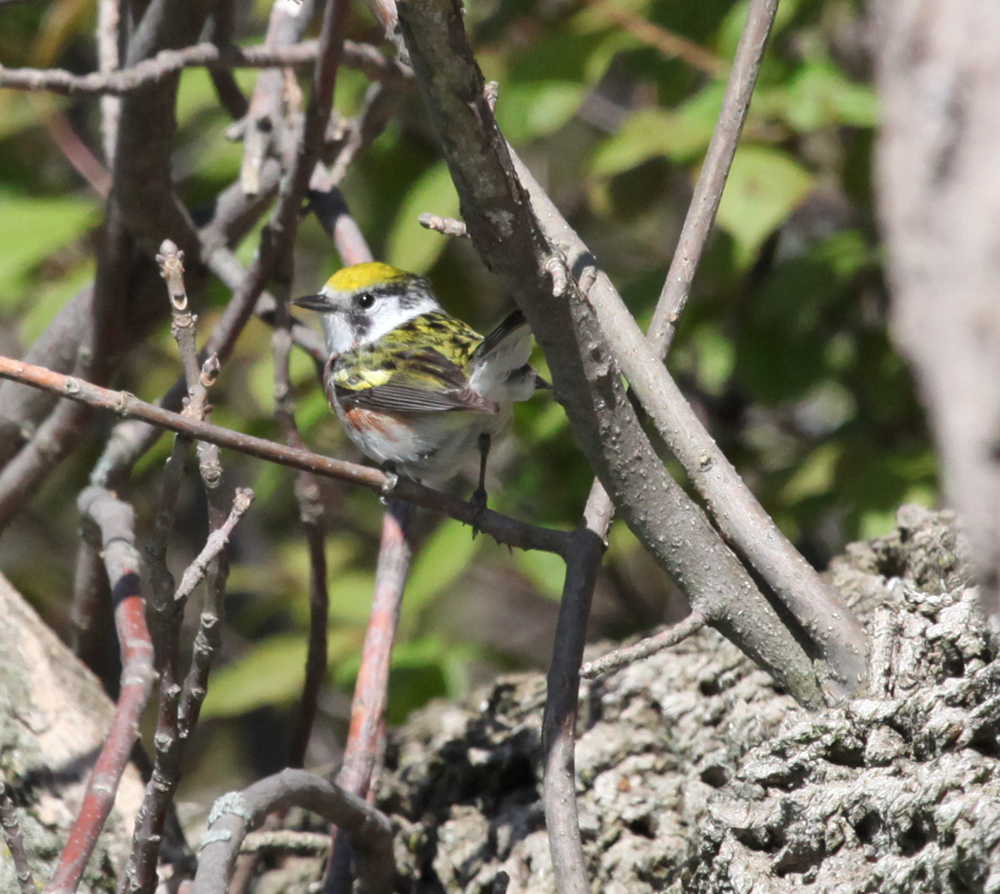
(417, 390)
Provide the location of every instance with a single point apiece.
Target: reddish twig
(237, 813)
(78, 154)
(15, 843)
(112, 523)
(371, 691)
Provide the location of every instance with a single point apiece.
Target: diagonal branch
(501, 527)
(509, 238)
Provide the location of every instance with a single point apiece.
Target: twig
(371, 691)
(319, 610)
(108, 22)
(217, 541)
(362, 131)
(287, 840)
(712, 177)
(237, 813)
(221, 25)
(650, 646)
(502, 528)
(58, 347)
(559, 722)
(665, 41)
(445, 225)
(327, 202)
(204, 55)
(77, 153)
(22, 475)
(385, 12)
(111, 521)
(165, 623)
(15, 843)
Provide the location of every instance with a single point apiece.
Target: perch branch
(512, 243)
(502, 528)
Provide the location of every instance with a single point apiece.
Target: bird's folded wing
(421, 381)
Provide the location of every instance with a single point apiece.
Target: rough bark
(53, 718)
(696, 775)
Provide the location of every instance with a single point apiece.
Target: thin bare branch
(237, 813)
(216, 543)
(204, 55)
(287, 841)
(712, 177)
(15, 843)
(327, 202)
(501, 527)
(559, 722)
(108, 24)
(447, 226)
(650, 646)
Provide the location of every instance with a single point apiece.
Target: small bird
(417, 390)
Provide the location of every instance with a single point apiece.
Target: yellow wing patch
(359, 276)
(357, 378)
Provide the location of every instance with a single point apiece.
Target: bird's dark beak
(313, 302)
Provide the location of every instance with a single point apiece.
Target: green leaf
(32, 229)
(547, 571)
(821, 96)
(765, 186)
(439, 563)
(533, 109)
(716, 358)
(50, 299)
(410, 246)
(269, 674)
(679, 135)
(814, 476)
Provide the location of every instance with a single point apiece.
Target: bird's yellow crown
(361, 276)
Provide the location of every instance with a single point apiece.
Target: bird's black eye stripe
(364, 300)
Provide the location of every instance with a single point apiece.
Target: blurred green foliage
(783, 349)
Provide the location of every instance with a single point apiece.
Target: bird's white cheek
(339, 336)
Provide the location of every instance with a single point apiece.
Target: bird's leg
(392, 479)
(479, 495)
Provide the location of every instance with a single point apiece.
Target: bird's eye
(364, 300)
